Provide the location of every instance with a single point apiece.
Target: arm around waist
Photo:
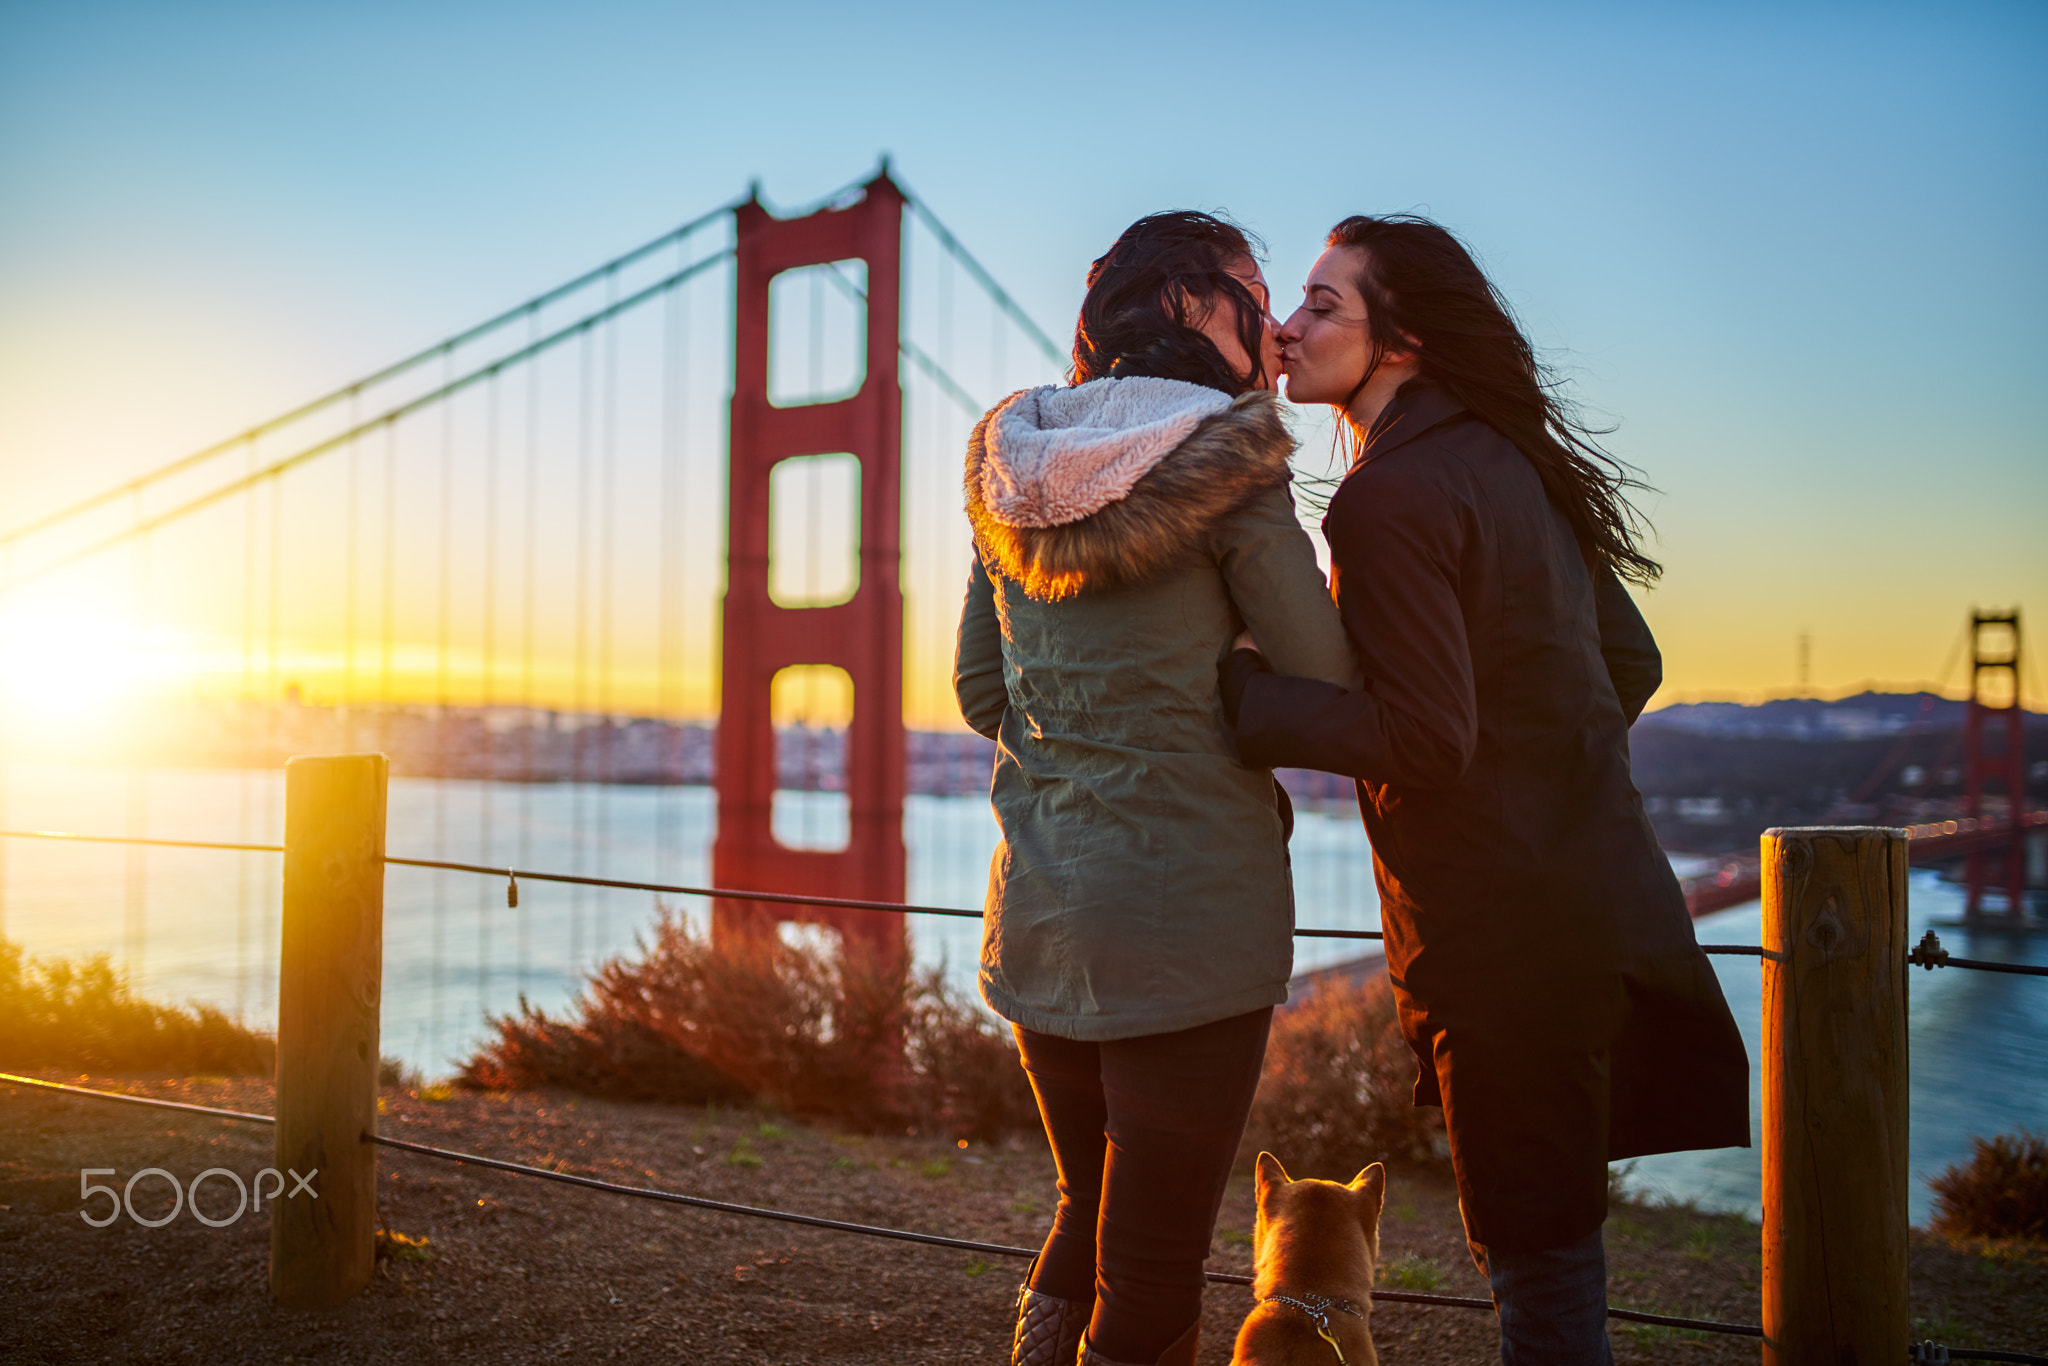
(1398, 543)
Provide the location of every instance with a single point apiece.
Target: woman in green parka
(1139, 914)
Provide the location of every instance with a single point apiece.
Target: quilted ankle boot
(1048, 1329)
(1181, 1353)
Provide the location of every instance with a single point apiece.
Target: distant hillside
(1716, 774)
(1809, 718)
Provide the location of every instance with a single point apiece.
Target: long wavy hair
(1148, 291)
(1424, 292)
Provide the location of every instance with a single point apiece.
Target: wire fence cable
(832, 1225)
(1927, 954)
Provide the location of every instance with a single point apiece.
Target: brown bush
(963, 1076)
(54, 1013)
(2002, 1193)
(1336, 1091)
(791, 1027)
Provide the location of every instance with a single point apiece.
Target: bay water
(202, 925)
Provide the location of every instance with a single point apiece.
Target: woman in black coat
(1547, 974)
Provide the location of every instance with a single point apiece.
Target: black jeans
(1143, 1132)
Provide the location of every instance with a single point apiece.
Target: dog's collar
(1318, 1308)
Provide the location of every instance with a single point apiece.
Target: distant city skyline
(1793, 255)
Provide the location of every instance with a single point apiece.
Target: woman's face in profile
(1326, 346)
(1219, 325)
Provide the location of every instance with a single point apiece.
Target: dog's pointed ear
(1269, 1174)
(1371, 1185)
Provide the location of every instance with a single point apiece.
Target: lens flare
(71, 673)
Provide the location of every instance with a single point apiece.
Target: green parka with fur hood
(1125, 531)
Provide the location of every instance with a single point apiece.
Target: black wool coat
(1547, 974)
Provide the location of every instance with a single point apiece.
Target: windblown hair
(1424, 292)
(1148, 292)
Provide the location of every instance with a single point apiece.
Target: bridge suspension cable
(982, 277)
(445, 350)
(417, 592)
(389, 416)
(354, 388)
(938, 373)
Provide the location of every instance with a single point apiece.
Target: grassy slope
(519, 1271)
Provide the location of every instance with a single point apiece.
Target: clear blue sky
(1796, 252)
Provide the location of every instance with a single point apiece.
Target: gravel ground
(517, 1270)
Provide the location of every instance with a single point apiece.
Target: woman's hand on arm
(978, 657)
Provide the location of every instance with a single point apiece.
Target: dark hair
(1167, 269)
(1423, 291)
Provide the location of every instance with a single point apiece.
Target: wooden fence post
(1835, 1096)
(330, 978)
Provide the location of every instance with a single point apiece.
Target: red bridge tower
(863, 636)
(1995, 655)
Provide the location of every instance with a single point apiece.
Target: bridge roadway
(1738, 880)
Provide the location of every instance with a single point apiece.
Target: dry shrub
(2002, 1193)
(963, 1077)
(1336, 1091)
(54, 1013)
(814, 1034)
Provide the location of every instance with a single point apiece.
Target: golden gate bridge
(1991, 833)
(690, 517)
(691, 512)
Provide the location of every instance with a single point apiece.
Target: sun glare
(64, 670)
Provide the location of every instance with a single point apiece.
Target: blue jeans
(1552, 1304)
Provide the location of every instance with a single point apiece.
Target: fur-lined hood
(1110, 482)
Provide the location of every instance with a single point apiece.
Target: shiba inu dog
(1315, 1252)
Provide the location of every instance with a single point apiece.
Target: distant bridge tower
(1995, 674)
(863, 635)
